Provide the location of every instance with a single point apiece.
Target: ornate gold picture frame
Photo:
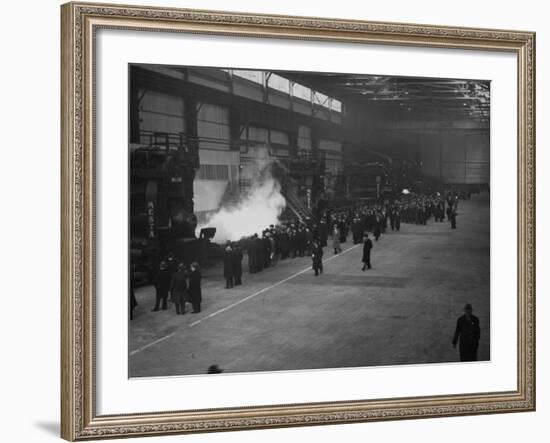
(80, 22)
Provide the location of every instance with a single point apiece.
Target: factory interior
(218, 155)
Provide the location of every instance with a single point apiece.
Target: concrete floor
(403, 311)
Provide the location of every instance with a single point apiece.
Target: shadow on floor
(50, 427)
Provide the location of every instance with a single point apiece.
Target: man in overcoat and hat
(367, 246)
(467, 334)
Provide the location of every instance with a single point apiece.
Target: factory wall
(240, 124)
(452, 148)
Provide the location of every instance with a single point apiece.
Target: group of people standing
(178, 284)
(181, 284)
(420, 208)
(299, 238)
(412, 209)
(232, 265)
(277, 242)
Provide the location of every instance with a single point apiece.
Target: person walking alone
(195, 291)
(376, 231)
(317, 257)
(162, 286)
(367, 246)
(467, 334)
(453, 218)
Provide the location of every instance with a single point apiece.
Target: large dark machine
(162, 223)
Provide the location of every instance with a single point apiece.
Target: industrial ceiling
(467, 97)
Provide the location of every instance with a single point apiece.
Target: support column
(190, 155)
(293, 140)
(235, 127)
(318, 182)
(134, 108)
(235, 123)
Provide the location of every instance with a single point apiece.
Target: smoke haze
(255, 211)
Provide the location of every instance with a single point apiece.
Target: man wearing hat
(237, 258)
(367, 246)
(251, 251)
(467, 334)
(317, 257)
(453, 215)
(162, 282)
(178, 289)
(228, 271)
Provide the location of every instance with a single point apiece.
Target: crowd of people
(300, 238)
(176, 283)
(288, 240)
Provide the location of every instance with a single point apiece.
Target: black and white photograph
(285, 220)
(304, 220)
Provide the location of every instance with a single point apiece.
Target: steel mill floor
(403, 311)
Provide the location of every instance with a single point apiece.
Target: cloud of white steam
(254, 212)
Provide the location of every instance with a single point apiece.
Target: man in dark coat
(251, 250)
(178, 289)
(376, 230)
(354, 230)
(453, 219)
(284, 244)
(195, 291)
(237, 258)
(369, 221)
(397, 220)
(273, 247)
(162, 286)
(292, 247)
(367, 246)
(308, 235)
(259, 249)
(317, 257)
(449, 205)
(266, 247)
(171, 264)
(440, 212)
(301, 241)
(323, 233)
(343, 230)
(277, 244)
(228, 266)
(467, 334)
(358, 229)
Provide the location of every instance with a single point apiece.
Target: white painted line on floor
(242, 300)
(261, 291)
(166, 337)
